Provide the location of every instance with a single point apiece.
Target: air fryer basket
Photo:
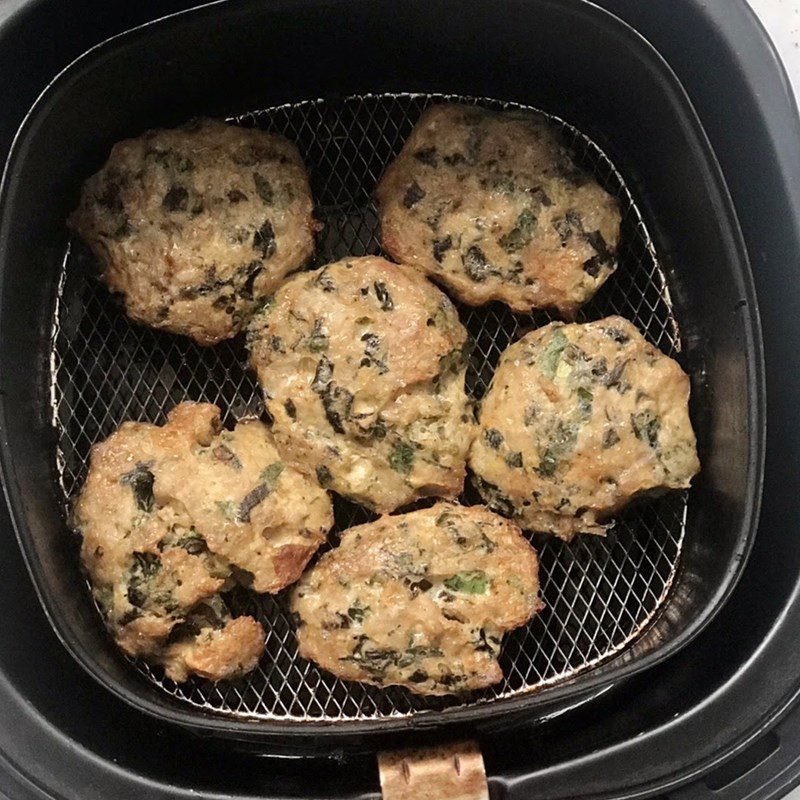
(599, 593)
(164, 73)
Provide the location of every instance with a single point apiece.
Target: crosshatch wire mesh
(600, 593)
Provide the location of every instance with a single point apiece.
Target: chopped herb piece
(318, 340)
(236, 196)
(453, 159)
(226, 508)
(418, 676)
(646, 427)
(493, 438)
(356, 612)
(223, 453)
(613, 378)
(264, 240)
(323, 374)
(291, 409)
(417, 586)
(520, 235)
(338, 403)
(472, 582)
(413, 195)
(382, 293)
(547, 463)
(441, 246)
(324, 281)
(253, 270)
(176, 198)
(486, 643)
(476, 266)
(192, 543)
(427, 156)
(495, 499)
(270, 474)
(324, 476)
(401, 458)
(585, 399)
(263, 188)
(141, 480)
(610, 438)
(539, 194)
(596, 240)
(514, 460)
(144, 567)
(569, 224)
(548, 361)
(251, 500)
(616, 335)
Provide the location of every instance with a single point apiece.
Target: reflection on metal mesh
(599, 593)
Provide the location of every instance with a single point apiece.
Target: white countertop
(781, 18)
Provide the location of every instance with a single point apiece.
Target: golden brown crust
(362, 370)
(578, 420)
(194, 226)
(492, 206)
(173, 515)
(224, 654)
(420, 599)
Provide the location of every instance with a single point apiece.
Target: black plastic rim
(501, 710)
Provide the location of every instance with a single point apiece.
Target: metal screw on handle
(449, 772)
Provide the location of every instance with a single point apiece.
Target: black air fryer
(666, 663)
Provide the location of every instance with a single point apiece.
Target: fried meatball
(362, 367)
(578, 420)
(492, 206)
(194, 226)
(419, 600)
(172, 516)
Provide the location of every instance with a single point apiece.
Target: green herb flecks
(193, 543)
(357, 611)
(472, 582)
(141, 480)
(646, 427)
(520, 235)
(585, 399)
(401, 459)
(324, 476)
(317, 341)
(270, 474)
(226, 508)
(548, 361)
(251, 500)
(144, 568)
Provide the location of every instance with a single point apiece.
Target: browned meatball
(492, 206)
(578, 420)
(420, 600)
(195, 226)
(173, 515)
(362, 370)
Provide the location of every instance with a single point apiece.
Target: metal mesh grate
(600, 593)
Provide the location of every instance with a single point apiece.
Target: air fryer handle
(449, 772)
